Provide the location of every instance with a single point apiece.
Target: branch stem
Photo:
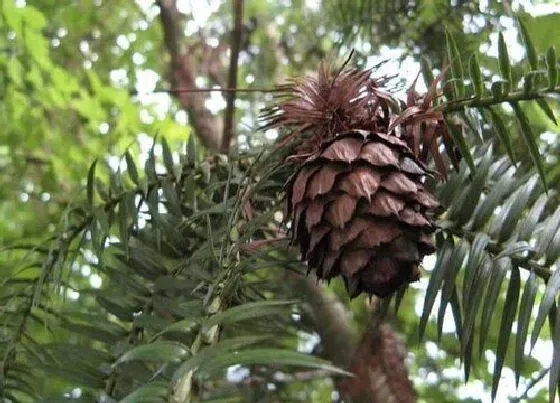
(460, 104)
(232, 74)
(216, 89)
(494, 249)
(531, 385)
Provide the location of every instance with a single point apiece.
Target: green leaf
(144, 261)
(461, 143)
(473, 302)
(467, 356)
(488, 205)
(150, 165)
(269, 356)
(497, 276)
(81, 353)
(524, 318)
(131, 168)
(90, 183)
(115, 183)
(449, 189)
(148, 393)
(159, 351)
(191, 151)
(426, 71)
(529, 81)
(153, 207)
(248, 310)
(511, 213)
(476, 76)
(553, 251)
(508, 315)
(436, 278)
(99, 229)
(532, 218)
(463, 209)
(456, 66)
(120, 306)
(554, 374)
(94, 332)
(215, 350)
(173, 202)
(546, 109)
(132, 211)
(123, 223)
(530, 140)
(72, 375)
(456, 311)
(548, 232)
(476, 255)
(499, 88)
(514, 249)
(529, 47)
(167, 157)
(505, 67)
(183, 326)
(548, 299)
(454, 265)
(472, 118)
(102, 190)
(502, 133)
(552, 68)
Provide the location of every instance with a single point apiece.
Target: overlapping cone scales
(360, 210)
(357, 201)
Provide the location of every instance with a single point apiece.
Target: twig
(232, 75)
(256, 245)
(494, 249)
(530, 385)
(217, 89)
(460, 104)
(183, 75)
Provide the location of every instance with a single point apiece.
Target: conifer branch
(494, 249)
(475, 102)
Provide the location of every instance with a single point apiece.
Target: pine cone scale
(354, 207)
(357, 202)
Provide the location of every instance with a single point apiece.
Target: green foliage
(174, 288)
(504, 222)
(535, 88)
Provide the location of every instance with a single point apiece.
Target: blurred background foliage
(89, 79)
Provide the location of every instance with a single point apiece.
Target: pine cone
(357, 202)
(360, 210)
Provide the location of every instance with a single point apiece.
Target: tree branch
(232, 75)
(331, 317)
(381, 375)
(494, 249)
(183, 74)
(219, 89)
(530, 385)
(460, 104)
(377, 359)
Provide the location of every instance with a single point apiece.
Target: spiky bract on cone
(357, 201)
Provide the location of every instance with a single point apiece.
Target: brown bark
(183, 75)
(377, 360)
(379, 367)
(338, 337)
(232, 75)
